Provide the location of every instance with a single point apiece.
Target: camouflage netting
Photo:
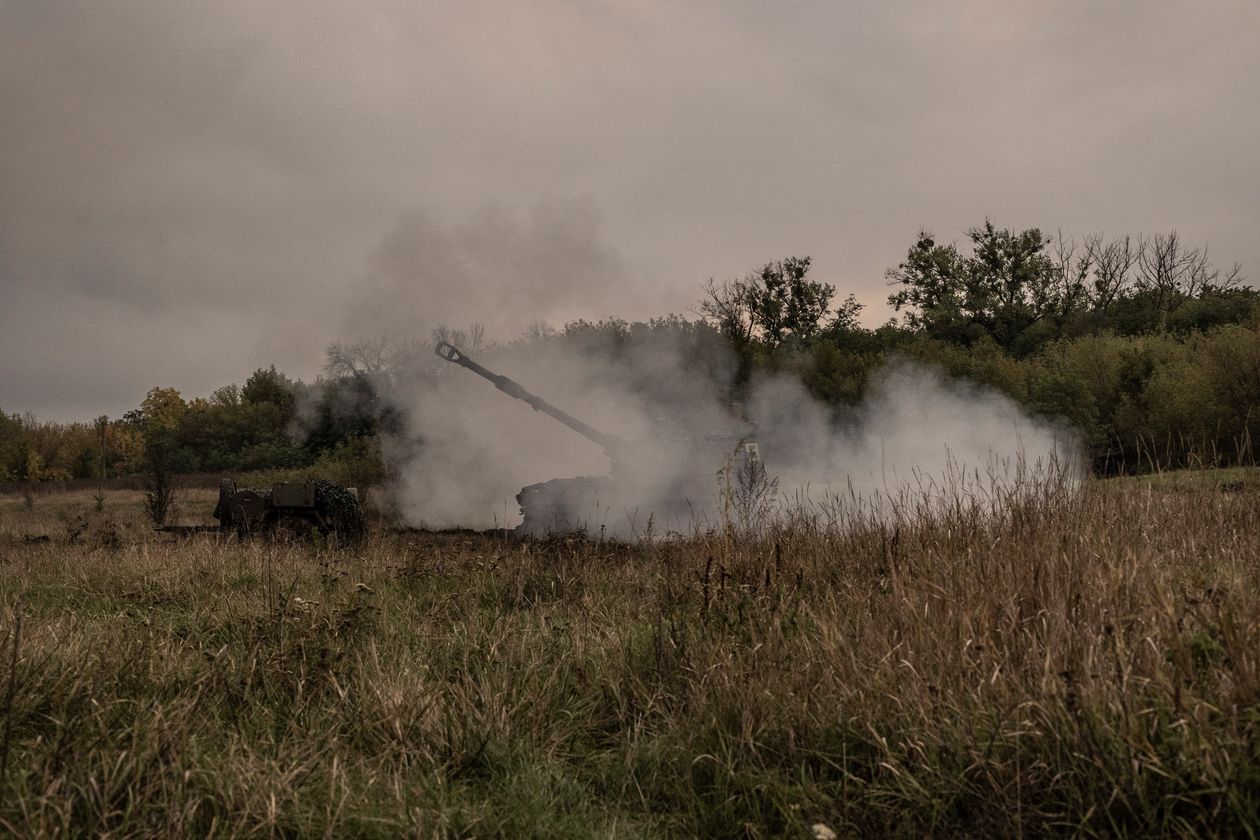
(342, 511)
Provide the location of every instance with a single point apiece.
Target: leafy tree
(227, 395)
(932, 280)
(268, 402)
(269, 386)
(785, 305)
(846, 333)
(345, 408)
(1013, 279)
(774, 306)
(837, 376)
(161, 410)
(159, 417)
(12, 447)
(1005, 286)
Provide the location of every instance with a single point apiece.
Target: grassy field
(1079, 663)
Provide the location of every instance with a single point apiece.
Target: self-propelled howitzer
(655, 485)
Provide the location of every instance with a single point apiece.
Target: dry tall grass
(1081, 663)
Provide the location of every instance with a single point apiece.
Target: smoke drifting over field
(467, 449)
(470, 449)
(915, 431)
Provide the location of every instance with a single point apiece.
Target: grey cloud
(179, 168)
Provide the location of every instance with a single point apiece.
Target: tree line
(1141, 343)
(271, 422)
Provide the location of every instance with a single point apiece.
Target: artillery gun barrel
(512, 389)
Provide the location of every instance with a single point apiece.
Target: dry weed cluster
(1062, 663)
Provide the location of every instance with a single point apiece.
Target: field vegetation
(1050, 658)
(1046, 661)
(1140, 343)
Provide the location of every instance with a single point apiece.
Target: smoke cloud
(470, 449)
(501, 267)
(917, 436)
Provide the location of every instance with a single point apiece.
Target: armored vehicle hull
(291, 508)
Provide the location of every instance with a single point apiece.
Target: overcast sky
(191, 190)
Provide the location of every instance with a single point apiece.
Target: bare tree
(729, 305)
(1173, 273)
(102, 455)
(539, 330)
(1072, 267)
(381, 360)
(471, 338)
(369, 357)
(159, 490)
(476, 335)
(1114, 262)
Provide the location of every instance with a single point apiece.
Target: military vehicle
(654, 485)
(292, 509)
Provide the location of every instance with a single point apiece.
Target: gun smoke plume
(665, 390)
(469, 448)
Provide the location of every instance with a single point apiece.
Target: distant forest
(1141, 343)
